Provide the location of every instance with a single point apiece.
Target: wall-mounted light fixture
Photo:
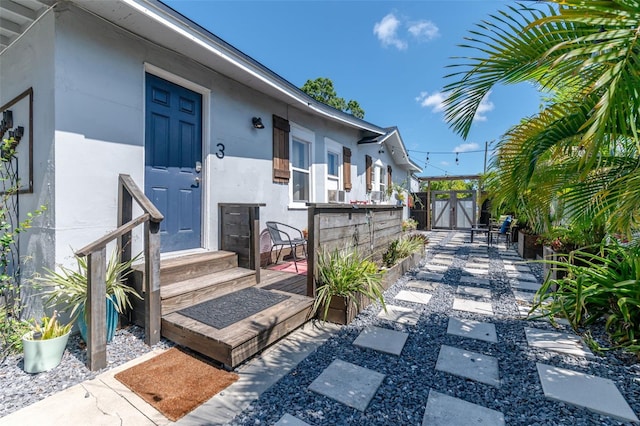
(257, 123)
(17, 133)
(7, 121)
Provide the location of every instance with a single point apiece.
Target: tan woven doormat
(175, 382)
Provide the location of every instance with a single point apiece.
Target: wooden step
(236, 343)
(194, 265)
(181, 294)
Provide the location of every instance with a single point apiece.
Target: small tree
(321, 89)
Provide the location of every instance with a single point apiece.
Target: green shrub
(409, 224)
(11, 332)
(605, 284)
(401, 248)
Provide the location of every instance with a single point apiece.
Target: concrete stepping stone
(524, 296)
(382, 340)
(584, 390)
(468, 364)
(510, 256)
(423, 285)
(474, 291)
(445, 410)
(511, 267)
(476, 271)
(400, 315)
(472, 306)
(429, 276)
(348, 384)
(443, 256)
(557, 342)
(474, 265)
(522, 276)
(289, 420)
(413, 297)
(474, 280)
(477, 259)
(436, 268)
(473, 329)
(525, 285)
(523, 311)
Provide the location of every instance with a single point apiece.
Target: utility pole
(486, 149)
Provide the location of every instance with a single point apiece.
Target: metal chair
(284, 235)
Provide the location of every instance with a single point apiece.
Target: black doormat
(233, 307)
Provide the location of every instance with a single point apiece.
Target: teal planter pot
(112, 321)
(43, 355)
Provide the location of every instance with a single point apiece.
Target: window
(301, 174)
(381, 180)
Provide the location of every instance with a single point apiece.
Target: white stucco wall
(29, 63)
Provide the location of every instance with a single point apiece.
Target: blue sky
(390, 56)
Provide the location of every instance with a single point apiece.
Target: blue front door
(173, 161)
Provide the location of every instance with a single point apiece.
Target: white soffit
(16, 16)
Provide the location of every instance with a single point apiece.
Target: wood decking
(233, 344)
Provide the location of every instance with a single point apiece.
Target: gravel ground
(19, 389)
(402, 398)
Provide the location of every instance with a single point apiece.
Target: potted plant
(44, 345)
(70, 291)
(344, 281)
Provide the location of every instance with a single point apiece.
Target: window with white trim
(301, 183)
(380, 173)
(333, 170)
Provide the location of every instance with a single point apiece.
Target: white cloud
(466, 147)
(444, 163)
(387, 32)
(424, 30)
(435, 101)
(485, 106)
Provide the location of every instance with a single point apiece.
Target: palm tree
(581, 149)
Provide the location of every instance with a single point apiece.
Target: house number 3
(220, 153)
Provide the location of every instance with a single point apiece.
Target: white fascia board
(198, 35)
(404, 157)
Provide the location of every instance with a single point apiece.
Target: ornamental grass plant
(343, 272)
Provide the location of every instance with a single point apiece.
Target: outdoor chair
(504, 228)
(283, 235)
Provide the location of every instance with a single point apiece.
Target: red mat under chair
(291, 267)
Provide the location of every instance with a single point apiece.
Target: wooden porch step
(181, 294)
(236, 343)
(194, 265)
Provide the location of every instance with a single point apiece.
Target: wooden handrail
(113, 235)
(145, 204)
(96, 269)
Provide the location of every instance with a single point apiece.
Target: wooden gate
(453, 209)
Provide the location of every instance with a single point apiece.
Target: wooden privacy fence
(370, 228)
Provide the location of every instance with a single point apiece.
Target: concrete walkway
(104, 401)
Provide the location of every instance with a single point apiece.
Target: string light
(457, 160)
